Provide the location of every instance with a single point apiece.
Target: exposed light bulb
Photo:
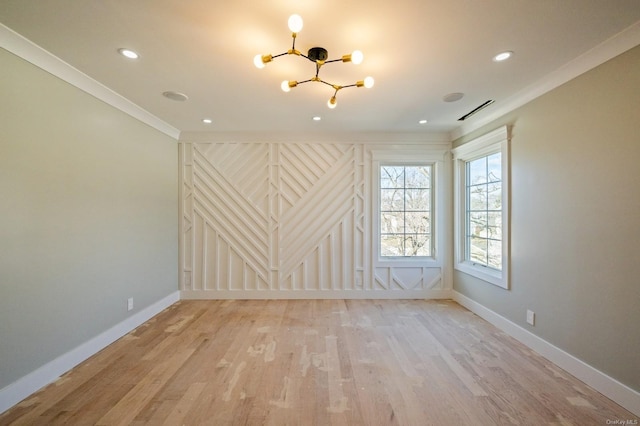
(261, 60)
(332, 103)
(257, 61)
(295, 23)
(357, 57)
(368, 82)
(286, 86)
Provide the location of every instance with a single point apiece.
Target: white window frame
(491, 143)
(409, 158)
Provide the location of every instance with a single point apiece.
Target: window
(482, 243)
(483, 211)
(405, 210)
(407, 217)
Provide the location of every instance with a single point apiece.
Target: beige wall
(575, 219)
(88, 217)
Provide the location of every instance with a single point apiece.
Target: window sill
(483, 273)
(428, 262)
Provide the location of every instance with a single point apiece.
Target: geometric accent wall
(283, 220)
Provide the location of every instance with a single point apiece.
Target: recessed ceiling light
(207, 120)
(422, 122)
(175, 96)
(502, 56)
(453, 97)
(317, 118)
(128, 53)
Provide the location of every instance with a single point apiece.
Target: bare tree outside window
(481, 205)
(484, 211)
(405, 211)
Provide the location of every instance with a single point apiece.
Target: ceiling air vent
(476, 109)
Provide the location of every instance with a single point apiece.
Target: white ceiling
(417, 51)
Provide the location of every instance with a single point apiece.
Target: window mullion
(413, 236)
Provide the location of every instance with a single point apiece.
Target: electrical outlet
(531, 317)
(129, 303)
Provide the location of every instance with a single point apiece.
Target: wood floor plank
(316, 362)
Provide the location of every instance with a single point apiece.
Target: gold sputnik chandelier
(318, 55)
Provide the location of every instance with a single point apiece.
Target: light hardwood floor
(316, 362)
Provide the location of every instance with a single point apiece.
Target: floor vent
(478, 108)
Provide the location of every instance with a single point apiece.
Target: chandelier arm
(335, 86)
(280, 54)
(293, 50)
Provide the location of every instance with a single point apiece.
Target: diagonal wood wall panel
(240, 241)
(245, 165)
(323, 207)
(302, 166)
(283, 220)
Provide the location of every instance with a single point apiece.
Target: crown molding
(36, 55)
(610, 48)
(387, 138)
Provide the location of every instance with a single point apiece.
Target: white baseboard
(313, 294)
(48, 373)
(608, 386)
